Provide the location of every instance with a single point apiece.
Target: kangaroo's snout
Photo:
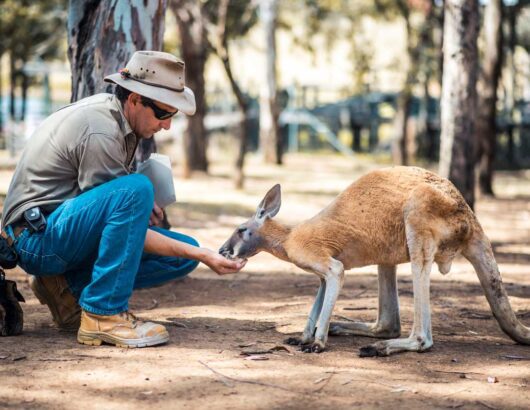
(227, 251)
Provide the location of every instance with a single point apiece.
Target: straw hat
(159, 76)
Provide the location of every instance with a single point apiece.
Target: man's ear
(134, 98)
(270, 204)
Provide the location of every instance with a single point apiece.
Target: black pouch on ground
(8, 257)
(11, 315)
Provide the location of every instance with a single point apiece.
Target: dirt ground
(226, 349)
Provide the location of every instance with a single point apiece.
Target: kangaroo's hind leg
(388, 323)
(422, 249)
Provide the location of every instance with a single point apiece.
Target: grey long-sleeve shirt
(75, 149)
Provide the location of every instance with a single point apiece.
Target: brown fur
(387, 217)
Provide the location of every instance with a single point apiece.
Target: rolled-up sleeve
(101, 158)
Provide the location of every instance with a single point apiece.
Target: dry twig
(228, 379)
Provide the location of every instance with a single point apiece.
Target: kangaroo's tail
(480, 254)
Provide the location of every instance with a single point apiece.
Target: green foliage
(241, 16)
(32, 28)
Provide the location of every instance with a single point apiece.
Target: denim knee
(141, 187)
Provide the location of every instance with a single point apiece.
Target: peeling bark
(103, 35)
(458, 103)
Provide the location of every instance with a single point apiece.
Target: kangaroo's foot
(315, 347)
(387, 347)
(310, 346)
(377, 330)
(298, 341)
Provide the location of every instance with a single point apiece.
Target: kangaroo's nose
(226, 251)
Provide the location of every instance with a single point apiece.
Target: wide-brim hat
(159, 76)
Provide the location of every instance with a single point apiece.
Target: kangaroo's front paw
(315, 347)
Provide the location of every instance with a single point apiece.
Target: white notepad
(158, 169)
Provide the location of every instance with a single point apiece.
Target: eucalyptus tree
(103, 35)
(271, 142)
(192, 20)
(458, 102)
(486, 127)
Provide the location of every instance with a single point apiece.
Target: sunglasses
(159, 112)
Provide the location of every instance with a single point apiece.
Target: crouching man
(83, 225)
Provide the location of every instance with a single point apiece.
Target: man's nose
(166, 124)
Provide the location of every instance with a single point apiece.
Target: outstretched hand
(221, 265)
(157, 216)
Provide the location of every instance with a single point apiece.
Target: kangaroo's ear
(270, 204)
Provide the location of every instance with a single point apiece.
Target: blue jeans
(96, 240)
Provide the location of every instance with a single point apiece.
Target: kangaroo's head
(246, 241)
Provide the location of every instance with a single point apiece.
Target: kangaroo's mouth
(227, 253)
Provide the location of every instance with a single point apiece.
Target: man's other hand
(220, 265)
(157, 216)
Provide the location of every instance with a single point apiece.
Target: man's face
(143, 119)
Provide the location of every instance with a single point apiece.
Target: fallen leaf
(17, 358)
(320, 380)
(254, 352)
(3, 357)
(510, 357)
(492, 379)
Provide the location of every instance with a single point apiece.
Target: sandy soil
(226, 349)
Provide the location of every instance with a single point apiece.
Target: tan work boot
(54, 292)
(122, 330)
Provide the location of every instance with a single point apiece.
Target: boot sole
(96, 339)
(41, 293)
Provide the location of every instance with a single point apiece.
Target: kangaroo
(386, 217)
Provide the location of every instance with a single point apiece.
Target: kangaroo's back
(365, 224)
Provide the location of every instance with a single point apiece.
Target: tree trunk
(243, 103)
(102, 37)
(194, 48)
(220, 47)
(400, 152)
(24, 105)
(485, 127)
(2, 136)
(270, 136)
(458, 104)
(400, 142)
(12, 87)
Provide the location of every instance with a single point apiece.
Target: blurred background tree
(357, 76)
(103, 35)
(28, 30)
(458, 102)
